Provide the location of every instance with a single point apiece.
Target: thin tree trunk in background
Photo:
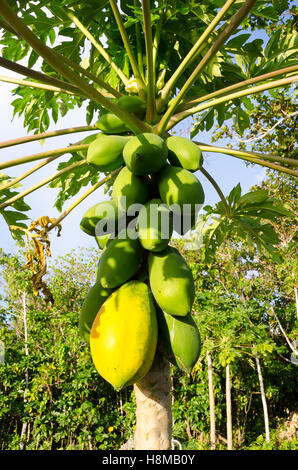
(229, 409)
(153, 412)
(24, 426)
(264, 401)
(211, 402)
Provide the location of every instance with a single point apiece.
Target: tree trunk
(211, 402)
(153, 413)
(24, 425)
(229, 409)
(264, 401)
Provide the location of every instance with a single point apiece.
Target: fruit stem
(41, 183)
(235, 21)
(193, 52)
(247, 91)
(82, 197)
(151, 106)
(41, 155)
(46, 135)
(218, 190)
(98, 46)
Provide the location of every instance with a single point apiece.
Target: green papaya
(132, 104)
(180, 340)
(180, 189)
(96, 296)
(184, 153)
(145, 154)
(109, 123)
(183, 223)
(105, 212)
(102, 240)
(171, 281)
(155, 225)
(88, 140)
(129, 189)
(120, 259)
(106, 153)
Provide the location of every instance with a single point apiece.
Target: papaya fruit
(106, 153)
(102, 240)
(94, 299)
(155, 225)
(184, 153)
(179, 339)
(88, 140)
(129, 189)
(109, 123)
(180, 189)
(171, 281)
(145, 154)
(124, 333)
(105, 212)
(132, 104)
(120, 259)
(183, 223)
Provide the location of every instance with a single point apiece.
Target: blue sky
(227, 171)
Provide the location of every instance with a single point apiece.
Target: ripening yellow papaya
(123, 337)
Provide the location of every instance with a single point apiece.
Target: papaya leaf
(248, 221)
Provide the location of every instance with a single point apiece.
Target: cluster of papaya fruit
(140, 304)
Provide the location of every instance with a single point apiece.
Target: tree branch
(11, 183)
(227, 32)
(40, 156)
(218, 190)
(98, 46)
(245, 153)
(248, 91)
(81, 198)
(41, 77)
(41, 183)
(151, 106)
(41, 86)
(243, 156)
(45, 135)
(193, 52)
(240, 85)
(125, 39)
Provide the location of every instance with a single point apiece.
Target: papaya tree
(141, 69)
